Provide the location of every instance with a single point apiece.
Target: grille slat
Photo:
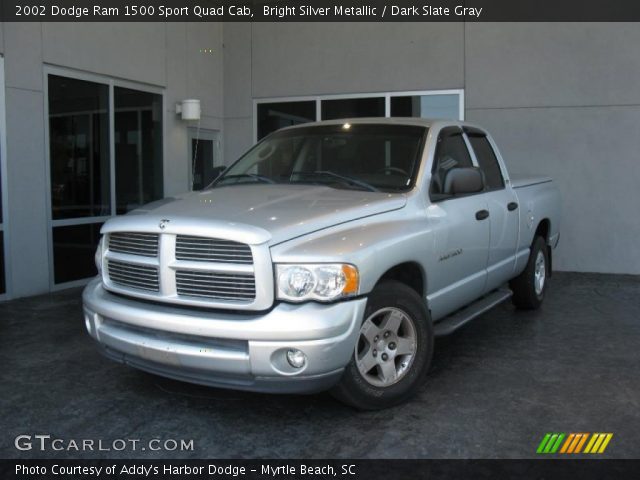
(134, 243)
(214, 285)
(212, 250)
(133, 276)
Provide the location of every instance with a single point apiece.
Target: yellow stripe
(591, 442)
(605, 443)
(584, 439)
(574, 443)
(567, 442)
(596, 445)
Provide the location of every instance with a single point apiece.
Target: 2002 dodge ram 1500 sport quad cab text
(327, 257)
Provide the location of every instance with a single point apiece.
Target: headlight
(98, 256)
(323, 282)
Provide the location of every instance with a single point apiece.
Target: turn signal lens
(352, 280)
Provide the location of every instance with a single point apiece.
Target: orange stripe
(584, 439)
(574, 443)
(567, 442)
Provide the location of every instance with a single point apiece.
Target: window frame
(111, 83)
(4, 225)
(349, 96)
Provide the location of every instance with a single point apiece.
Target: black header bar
(320, 11)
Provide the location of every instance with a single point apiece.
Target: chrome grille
(134, 276)
(215, 285)
(134, 243)
(212, 250)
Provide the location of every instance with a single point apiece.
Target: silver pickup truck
(329, 256)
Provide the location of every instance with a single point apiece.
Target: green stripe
(543, 443)
(550, 443)
(558, 442)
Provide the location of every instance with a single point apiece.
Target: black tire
(353, 389)
(526, 296)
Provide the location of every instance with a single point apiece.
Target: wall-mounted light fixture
(189, 109)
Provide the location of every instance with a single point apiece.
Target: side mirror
(463, 181)
(216, 171)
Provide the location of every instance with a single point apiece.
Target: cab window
(487, 161)
(451, 152)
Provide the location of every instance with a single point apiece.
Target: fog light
(296, 358)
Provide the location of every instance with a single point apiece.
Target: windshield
(359, 156)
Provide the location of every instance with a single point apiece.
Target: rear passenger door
(503, 209)
(458, 257)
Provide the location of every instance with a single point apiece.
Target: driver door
(457, 264)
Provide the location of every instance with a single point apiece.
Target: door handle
(512, 206)
(482, 214)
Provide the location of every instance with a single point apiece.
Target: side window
(451, 152)
(487, 161)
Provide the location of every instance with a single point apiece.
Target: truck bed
(524, 180)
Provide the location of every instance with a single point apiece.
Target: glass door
(204, 152)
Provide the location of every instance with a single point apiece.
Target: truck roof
(422, 122)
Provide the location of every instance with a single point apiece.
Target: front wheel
(393, 351)
(530, 286)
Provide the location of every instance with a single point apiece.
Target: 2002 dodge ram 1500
(327, 257)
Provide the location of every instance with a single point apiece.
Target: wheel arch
(410, 274)
(544, 230)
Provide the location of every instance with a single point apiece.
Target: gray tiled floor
(495, 388)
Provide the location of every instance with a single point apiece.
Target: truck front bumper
(239, 350)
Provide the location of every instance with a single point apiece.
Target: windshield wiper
(261, 178)
(344, 178)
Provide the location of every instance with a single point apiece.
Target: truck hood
(273, 213)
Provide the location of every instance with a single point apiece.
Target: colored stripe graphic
(581, 443)
(550, 443)
(598, 443)
(572, 443)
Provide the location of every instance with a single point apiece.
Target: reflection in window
(274, 116)
(427, 106)
(73, 250)
(138, 148)
(79, 147)
(352, 108)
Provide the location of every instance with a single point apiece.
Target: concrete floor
(496, 387)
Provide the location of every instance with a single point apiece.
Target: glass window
(73, 251)
(359, 156)
(451, 152)
(138, 148)
(427, 106)
(79, 148)
(487, 161)
(274, 116)
(353, 108)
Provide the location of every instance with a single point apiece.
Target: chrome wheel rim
(386, 347)
(540, 274)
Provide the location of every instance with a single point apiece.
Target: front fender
(374, 245)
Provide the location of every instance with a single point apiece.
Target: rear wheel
(393, 352)
(530, 286)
